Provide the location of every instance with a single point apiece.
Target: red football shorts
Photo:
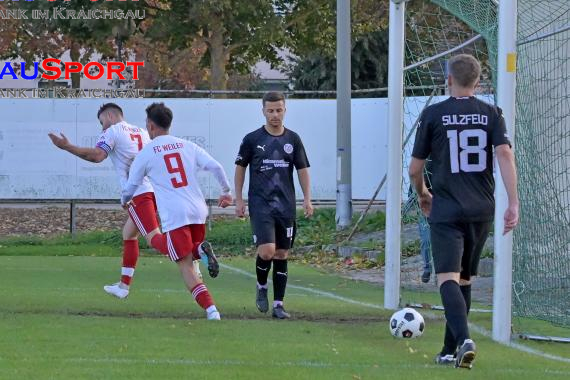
(179, 243)
(143, 212)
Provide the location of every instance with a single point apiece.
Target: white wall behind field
(32, 168)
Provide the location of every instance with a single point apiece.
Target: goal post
(395, 122)
(529, 39)
(506, 95)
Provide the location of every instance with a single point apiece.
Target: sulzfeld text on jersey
(470, 119)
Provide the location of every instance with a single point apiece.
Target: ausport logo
(108, 69)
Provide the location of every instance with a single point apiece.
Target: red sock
(130, 257)
(202, 296)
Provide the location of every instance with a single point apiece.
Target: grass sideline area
(229, 235)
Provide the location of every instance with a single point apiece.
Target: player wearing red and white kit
(121, 142)
(171, 164)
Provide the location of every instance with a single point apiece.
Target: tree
(237, 33)
(19, 39)
(166, 68)
(91, 36)
(369, 66)
(314, 66)
(310, 25)
(8, 30)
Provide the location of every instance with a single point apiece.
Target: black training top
(271, 160)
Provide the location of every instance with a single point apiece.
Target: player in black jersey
(271, 152)
(459, 135)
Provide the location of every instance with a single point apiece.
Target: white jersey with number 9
(172, 165)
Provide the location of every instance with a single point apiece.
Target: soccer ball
(407, 323)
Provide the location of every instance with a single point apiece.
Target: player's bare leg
(197, 288)
(149, 237)
(196, 264)
(130, 258)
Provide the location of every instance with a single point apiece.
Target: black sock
(449, 343)
(455, 310)
(279, 279)
(262, 268)
(466, 291)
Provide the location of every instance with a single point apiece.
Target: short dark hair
(465, 69)
(273, 96)
(109, 106)
(159, 114)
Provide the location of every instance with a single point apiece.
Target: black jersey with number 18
(271, 160)
(458, 134)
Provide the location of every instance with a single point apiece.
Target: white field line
(309, 290)
(483, 331)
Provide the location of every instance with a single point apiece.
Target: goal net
(437, 29)
(541, 252)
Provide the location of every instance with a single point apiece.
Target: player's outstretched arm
(305, 181)
(88, 154)
(207, 162)
(506, 159)
(219, 173)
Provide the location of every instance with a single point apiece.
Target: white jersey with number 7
(172, 165)
(122, 142)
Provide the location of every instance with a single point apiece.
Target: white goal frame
(506, 84)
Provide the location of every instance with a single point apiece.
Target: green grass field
(57, 323)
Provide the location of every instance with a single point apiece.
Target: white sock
(211, 309)
(261, 286)
(277, 303)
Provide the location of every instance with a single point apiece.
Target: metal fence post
(72, 215)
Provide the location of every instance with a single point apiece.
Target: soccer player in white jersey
(172, 164)
(121, 142)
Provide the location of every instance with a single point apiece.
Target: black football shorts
(456, 246)
(279, 230)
